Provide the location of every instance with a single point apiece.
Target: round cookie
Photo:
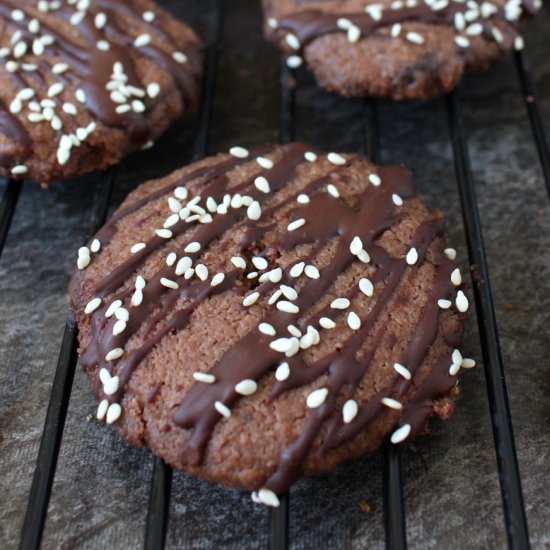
(261, 315)
(84, 83)
(401, 49)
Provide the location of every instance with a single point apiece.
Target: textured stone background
(100, 492)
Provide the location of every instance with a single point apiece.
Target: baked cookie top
(403, 49)
(86, 81)
(264, 314)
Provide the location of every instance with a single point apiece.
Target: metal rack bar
(278, 524)
(52, 434)
(7, 209)
(510, 482)
(161, 480)
(530, 96)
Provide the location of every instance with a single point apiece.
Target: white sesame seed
(310, 156)
(113, 307)
(238, 262)
(192, 247)
(83, 262)
(403, 371)
(268, 497)
(475, 29)
(204, 377)
(289, 292)
(401, 434)
(168, 283)
(140, 282)
(467, 363)
(356, 245)
(395, 30)
(142, 40)
(296, 224)
(104, 375)
(349, 411)
(275, 275)
(266, 328)
(412, 256)
(294, 61)
(397, 200)
(113, 413)
(497, 35)
(246, 387)
(456, 357)
(363, 256)
(454, 369)
(251, 299)
(239, 152)
(375, 180)
(259, 262)
(450, 253)
(294, 347)
(335, 158)
(415, 38)
(189, 273)
(254, 211)
(102, 409)
(55, 89)
(312, 272)
(461, 302)
(164, 233)
(272, 23)
(327, 323)
(92, 305)
(265, 162)
(19, 169)
(366, 287)
(444, 304)
(294, 331)
(282, 372)
(201, 271)
(391, 403)
(103, 45)
(114, 354)
(122, 313)
(222, 409)
(217, 279)
(181, 193)
(302, 198)
(138, 106)
(375, 11)
(111, 386)
(333, 191)
(148, 16)
(179, 57)
(18, 15)
(519, 43)
(343, 23)
(462, 41)
(137, 247)
(19, 50)
(354, 322)
(354, 33)
(292, 41)
(316, 398)
(16, 106)
(262, 184)
(306, 341)
(297, 269)
(340, 303)
(287, 307)
(137, 298)
(281, 345)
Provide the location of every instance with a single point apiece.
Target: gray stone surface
(100, 493)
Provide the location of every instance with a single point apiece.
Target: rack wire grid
(279, 520)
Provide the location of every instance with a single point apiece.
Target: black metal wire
(52, 434)
(278, 524)
(161, 480)
(530, 97)
(7, 209)
(510, 482)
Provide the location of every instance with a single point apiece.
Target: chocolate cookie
(85, 82)
(261, 315)
(403, 49)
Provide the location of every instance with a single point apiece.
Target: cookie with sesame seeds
(85, 82)
(266, 314)
(399, 49)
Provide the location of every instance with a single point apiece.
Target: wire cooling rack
(279, 519)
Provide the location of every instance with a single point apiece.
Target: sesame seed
(148, 16)
(302, 198)
(269, 498)
(461, 302)
(497, 35)
(401, 434)
(137, 298)
(454, 369)
(92, 305)
(259, 262)
(375, 11)
(519, 43)
(254, 212)
(104, 375)
(281, 345)
(275, 275)
(457, 357)
(102, 409)
(83, 262)
(262, 184)
(181, 193)
(412, 256)
(287, 307)
(354, 33)
(356, 245)
(201, 271)
(475, 29)
(222, 409)
(415, 38)
(20, 50)
(349, 411)
(119, 327)
(403, 371)
(297, 269)
(292, 41)
(114, 354)
(294, 330)
(111, 386)
(192, 247)
(113, 307)
(266, 328)
(397, 200)
(296, 224)
(251, 299)
(179, 57)
(327, 323)
(19, 169)
(113, 413)
(456, 277)
(354, 322)
(265, 162)
(18, 15)
(312, 272)
(137, 247)
(55, 89)
(204, 377)
(294, 347)
(168, 283)
(16, 106)
(340, 303)
(391, 403)
(467, 363)
(316, 398)
(343, 23)
(395, 30)
(272, 23)
(189, 273)
(138, 106)
(122, 313)
(375, 179)
(310, 156)
(142, 40)
(450, 253)
(306, 341)
(363, 256)
(174, 205)
(366, 287)
(444, 304)
(103, 45)
(333, 191)
(335, 158)
(294, 61)
(282, 372)
(164, 233)
(239, 152)
(462, 41)
(171, 220)
(217, 279)
(238, 262)
(246, 387)
(95, 246)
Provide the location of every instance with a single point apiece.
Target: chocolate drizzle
(367, 215)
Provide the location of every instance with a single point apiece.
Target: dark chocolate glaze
(11, 127)
(368, 216)
(91, 68)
